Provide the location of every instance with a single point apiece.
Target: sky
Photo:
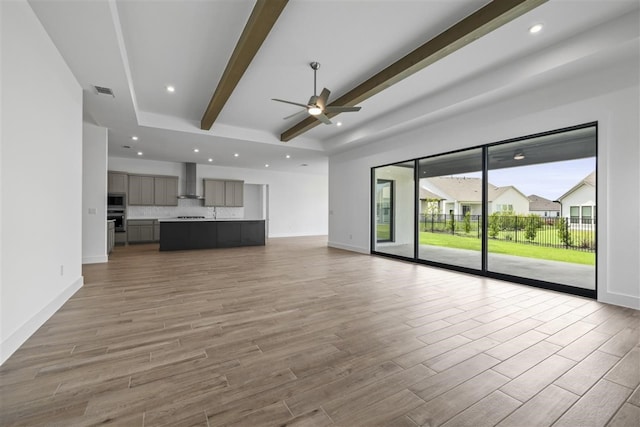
(549, 180)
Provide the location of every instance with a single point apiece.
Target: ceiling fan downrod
(314, 66)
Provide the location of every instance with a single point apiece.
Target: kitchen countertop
(206, 219)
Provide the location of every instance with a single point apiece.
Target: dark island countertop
(208, 233)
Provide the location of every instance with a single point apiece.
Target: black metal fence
(570, 233)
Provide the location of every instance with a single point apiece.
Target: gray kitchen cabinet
(234, 193)
(121, 238)
(111, 235)
(214, 192)
(141, 190)
(165, 191)
(140, 230)
(156, 231)
(218, 192)
(116, 182)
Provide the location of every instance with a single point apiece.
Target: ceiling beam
(474, 26)
(263, 17)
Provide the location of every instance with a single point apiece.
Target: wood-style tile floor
(298, 334)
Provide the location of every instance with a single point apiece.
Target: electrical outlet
(61, 270)
(93, 211)
(350, 237)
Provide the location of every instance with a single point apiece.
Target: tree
(531, 227)
(467, 222)
(432, 206)
(562, 227)
(452, 223)
(494, 225)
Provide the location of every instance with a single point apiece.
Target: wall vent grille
(104, 90)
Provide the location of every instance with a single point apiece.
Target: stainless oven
(119, 218)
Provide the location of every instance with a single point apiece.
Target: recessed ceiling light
(139, 153)
(171, 89)
(267, 165)
(288, 156)
(236, 155)
(211, 160)
(518, 155)
(135, 138)
(535, 28)
(339, 124)
(195, 150)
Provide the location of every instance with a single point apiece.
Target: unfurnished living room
(320, 213)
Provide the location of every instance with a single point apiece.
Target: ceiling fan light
(315, 110)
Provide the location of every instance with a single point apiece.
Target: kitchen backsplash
(186, 207)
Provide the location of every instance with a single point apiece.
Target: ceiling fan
(317, 105)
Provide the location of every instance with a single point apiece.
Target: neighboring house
(540, 206)
(459, 195)
(579, 203)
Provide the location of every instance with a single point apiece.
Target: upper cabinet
(117, 182)
(234, 193)
(223, 193)
(148, 190)
(165, 190)
(141, 190)
(213, 192)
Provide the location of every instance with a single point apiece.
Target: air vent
(104, 91)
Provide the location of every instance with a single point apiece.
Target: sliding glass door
(541, 225)
(450, 209)
(522, 210)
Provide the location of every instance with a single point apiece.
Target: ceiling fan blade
(289, 102)
(295, 114)
(324, 119)
(341, 109)
(323, 98)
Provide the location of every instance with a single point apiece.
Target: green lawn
(509, 248)
(382, 231)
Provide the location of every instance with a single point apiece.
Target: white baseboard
(95, 259)
(349, 248)
(276, 236)
(16, 339)
(629, 301)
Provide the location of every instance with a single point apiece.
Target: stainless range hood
(190, 182)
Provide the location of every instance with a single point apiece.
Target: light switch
(93, 211)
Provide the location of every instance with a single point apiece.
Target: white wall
(608, 95)
(41, 170)
(94, 190)
(253, 201)
(297, 202)
(511, 197)
(582, 196)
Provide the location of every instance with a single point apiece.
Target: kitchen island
(178, 234)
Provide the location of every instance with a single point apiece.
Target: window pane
(394, 209)
(450, 210)
(551, 174)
